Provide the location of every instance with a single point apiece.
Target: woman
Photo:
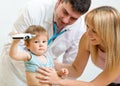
(102, 42)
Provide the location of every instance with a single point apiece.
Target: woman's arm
(107, 76)
(103, 79)
(50, 76)
(78, 66)
(14, 53)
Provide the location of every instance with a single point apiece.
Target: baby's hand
(63, 72)
(13, 33)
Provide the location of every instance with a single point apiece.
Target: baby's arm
(14, 53)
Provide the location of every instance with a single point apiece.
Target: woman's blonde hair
(106, 22)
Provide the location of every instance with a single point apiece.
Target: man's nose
(66, 19)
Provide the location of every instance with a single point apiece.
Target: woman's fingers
(43, 79)
(47, 75)
(45, 69)
(42, 71)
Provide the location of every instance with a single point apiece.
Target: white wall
(8, 12)
(114, 3)
(10, 9)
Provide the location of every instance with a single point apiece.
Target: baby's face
(38, 45)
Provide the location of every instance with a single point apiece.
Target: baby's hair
(37, 30)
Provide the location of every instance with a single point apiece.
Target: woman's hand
(49, 75)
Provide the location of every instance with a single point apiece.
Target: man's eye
(65, 12)
(73, 19)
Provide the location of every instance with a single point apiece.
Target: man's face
(64, 15)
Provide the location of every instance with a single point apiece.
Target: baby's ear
(26, 43)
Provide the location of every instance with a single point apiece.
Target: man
(65, 25)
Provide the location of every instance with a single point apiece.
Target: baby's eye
(36, 41)
(44, 41)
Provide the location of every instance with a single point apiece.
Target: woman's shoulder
(84, 42)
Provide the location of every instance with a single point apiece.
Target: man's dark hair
(81, 6)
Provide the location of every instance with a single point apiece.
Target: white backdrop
(10, 10)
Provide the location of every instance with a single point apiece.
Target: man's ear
(58, 2)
